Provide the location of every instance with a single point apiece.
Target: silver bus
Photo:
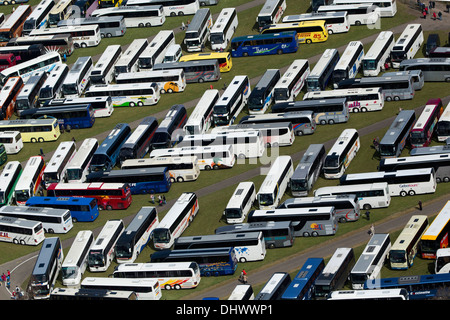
(322, 72)
(395, 139)
(110, 26)
(308, 170)
(51, 89)
(194, 71)
(434, 69)
(198, 30)
(29, 95)
(103, 71)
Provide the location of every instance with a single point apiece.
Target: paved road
(21, 268)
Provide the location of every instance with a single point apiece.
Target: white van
(173, 54)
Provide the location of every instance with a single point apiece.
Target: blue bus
(69, 117)
(211, 261)
(264, 44)
(81, 209)
(107, 154)
(140, 181)
(302, 286)
(171, 128)
(86, 7)
(419, 287)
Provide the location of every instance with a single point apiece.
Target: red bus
(8, 96)
(109, 195)
(7, 60)
(13, 26)
(422, 132)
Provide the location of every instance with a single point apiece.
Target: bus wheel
(447, 79)
(242, 260)
(411, 193)
(367, 206)
(108, 207)
(207, 168)
(102, 35)
(215, 167)
(180, 179)
(272, 246)
(109, 35)
(280, 51)
(51, 231)
(330, 31)
(41, 139)
(403, 193)
(169, 90)
(245, 54)
(5, 3)
(22, 242)
(33, 140)
(83, 45)
(100, 208)
(363, 109)
(148, 24)
(308, 41)
(446, 179)
(140, 25)
(299, 133)
(172, 180)
(177, 287)
(396, 98)
(315, 234)
(342, 220)
(331, 121)
(201, 80)
(305, 234)
(132, 105)
(140, 104)
(207, 274)
(15, 241)
(388, 98)
(181, 13)
(167, 287)
(358, 23)
(162, 91)
(74, 220)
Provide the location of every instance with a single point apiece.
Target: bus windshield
(96, 258)
(265, 199)
(69, 272)
(74, 174)
(216, 38)
(387, 149)
(417, 137)
(369, 65)
(2, 196)
(123, 250)
(331, 161)
(22, 195)
(397, 256)
(233, 213)
(161, 235)
(299, 185)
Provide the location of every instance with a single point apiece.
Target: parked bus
(370, 195)
(302, 121)
(28, 97)
(307, 222)
(240, 203)
(424, 129)
(7, 60)
(407, 45)
(135, 16)
(201, 118)
(384, 294)
(442, 263)
(335, 274)
(21, 231)
(436, 235)
(175, 221)
(198, 30)
(33, 130)
(400, 182)
(128, 62)
(406, 246)
(302, 286)
(170, 81)
(77, 168)
(307, 31)
(242, 292)
(109, 196)
(275, 183)
(223, 29)
(439, 52)
(246, 144)
(102, 253)
(346, 205)
(53, 220)
(82, 36)
(29, 182)
(75, 262)
(110, 26)
(248, 246)
(52, 87)
(46, 269)
(145, 289)
(325, 111)
(262, 95)
(434, 69)
(109, 3)
(127, 94)
(323, 70)
(138, 143)
(107, 154)
(180, 168)
(274, 287)
(379, 53)
(274, 134)
(85, 7)
(8, 96)
(357, 14)
(171, 275)
(140, 181)
(13, 25)
(335, 22)
(291, 83)
(277, 234)
(173, 54)
(388, 8)
(103, 71)
(38, 18)
(232, 101)
(8, 180)
(371, 260)
(136, 236)
(102, 105)
(172, 8)
(349, 63)
(61, 11)
(154, 53)
(443, 125)
(308, 170)
(60, 43)
(224, 59)
(24, 53)
(45, 62)
(270, 13)
(341, 154)
(264, 44)
(210, 157)
(91, 294)
(56, 169)
(170, 128)
(393, 87)
(197, 71)
(12, 141)
(81, 209)
(397, 136)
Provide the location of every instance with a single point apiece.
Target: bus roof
(441, 220)
(372, 248)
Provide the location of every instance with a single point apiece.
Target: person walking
(420, 205)
(243, 277)
(183, 26)
(152, 198)
(371, 231)
(368, 215)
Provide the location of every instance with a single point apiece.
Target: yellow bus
(224, 59)
(109, 3)
(33, 130)
(307, 31)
